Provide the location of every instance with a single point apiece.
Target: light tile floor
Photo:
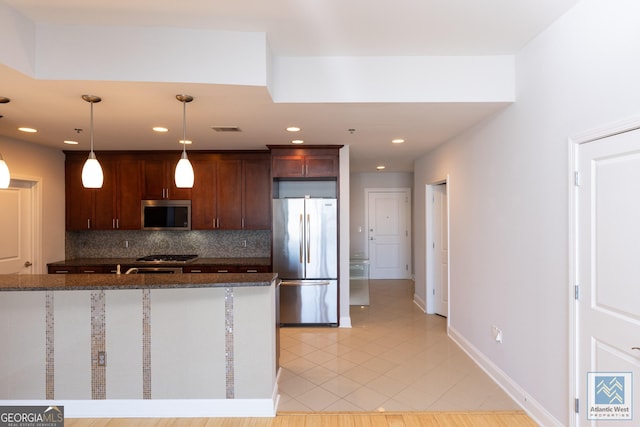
(394, 357)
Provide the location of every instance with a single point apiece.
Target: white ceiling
(305, 28)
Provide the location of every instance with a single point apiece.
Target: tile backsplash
(137, 243)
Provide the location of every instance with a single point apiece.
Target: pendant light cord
(91, 126)
(184, 126)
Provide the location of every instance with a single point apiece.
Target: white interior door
(16, 223)
(608, 273)
(440, 250)
(389, 234)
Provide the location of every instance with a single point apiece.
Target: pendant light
(5, 176)
(92, 171)
(184, 171)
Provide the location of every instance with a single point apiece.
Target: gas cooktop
(167, 258)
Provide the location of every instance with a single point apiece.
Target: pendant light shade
(5, 176)
(92, 176)
(184, 171)
(92, 172)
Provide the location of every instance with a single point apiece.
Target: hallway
(394, 357)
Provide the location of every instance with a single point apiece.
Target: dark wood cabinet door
(287, 166)
(158, 178)
(105, 197)
(204, 194)
(304, 162)
(128, 194)
(229, 202)
(78, 200)
(61, 270)
(256, 195)
(321, 166)
(153, 182)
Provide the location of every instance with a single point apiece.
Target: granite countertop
(59, 282)
(82, 262)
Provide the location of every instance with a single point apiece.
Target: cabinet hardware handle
(242, 222)
(195, 271)
(62, 271)
(635, 348)
(117, 222)
(252, 271)
(88, 223)
(223, 271)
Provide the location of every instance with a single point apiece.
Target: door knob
(27, 264)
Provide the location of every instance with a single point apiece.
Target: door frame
(574, 143)
(429, 253)
(35, 184)
(409, 213)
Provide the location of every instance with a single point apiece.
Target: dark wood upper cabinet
(158, 181)
(311, 162)
(232, 190)
(79, 208)
(256, 190)
(114, 206)
(204, 193)
(230, 195)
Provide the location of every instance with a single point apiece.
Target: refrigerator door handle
(305, 283)
(308, 239)
(301, 240)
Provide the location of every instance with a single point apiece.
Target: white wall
(509, 189)
(47, 165)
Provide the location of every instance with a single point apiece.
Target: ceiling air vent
(226, 128)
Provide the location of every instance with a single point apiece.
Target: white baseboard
(422, 304)
(161, 408)
(345, 322)
(531, 406)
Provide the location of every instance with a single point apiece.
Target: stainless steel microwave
(166, 214)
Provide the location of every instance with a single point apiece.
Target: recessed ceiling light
(71, 142)
(293, 129)
(28, 130)
(182, 141)
(397, 141)
(297, 141)
(160, 129)
(381, 167)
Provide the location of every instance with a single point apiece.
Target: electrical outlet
(497, 333)
(102, 358)
(243, 243)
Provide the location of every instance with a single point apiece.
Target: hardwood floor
(376, 419)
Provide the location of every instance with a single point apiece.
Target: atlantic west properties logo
(31, 416)
(609, 395)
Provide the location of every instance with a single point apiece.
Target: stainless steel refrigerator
(305, 256)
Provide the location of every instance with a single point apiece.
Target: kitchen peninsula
(157, 345)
